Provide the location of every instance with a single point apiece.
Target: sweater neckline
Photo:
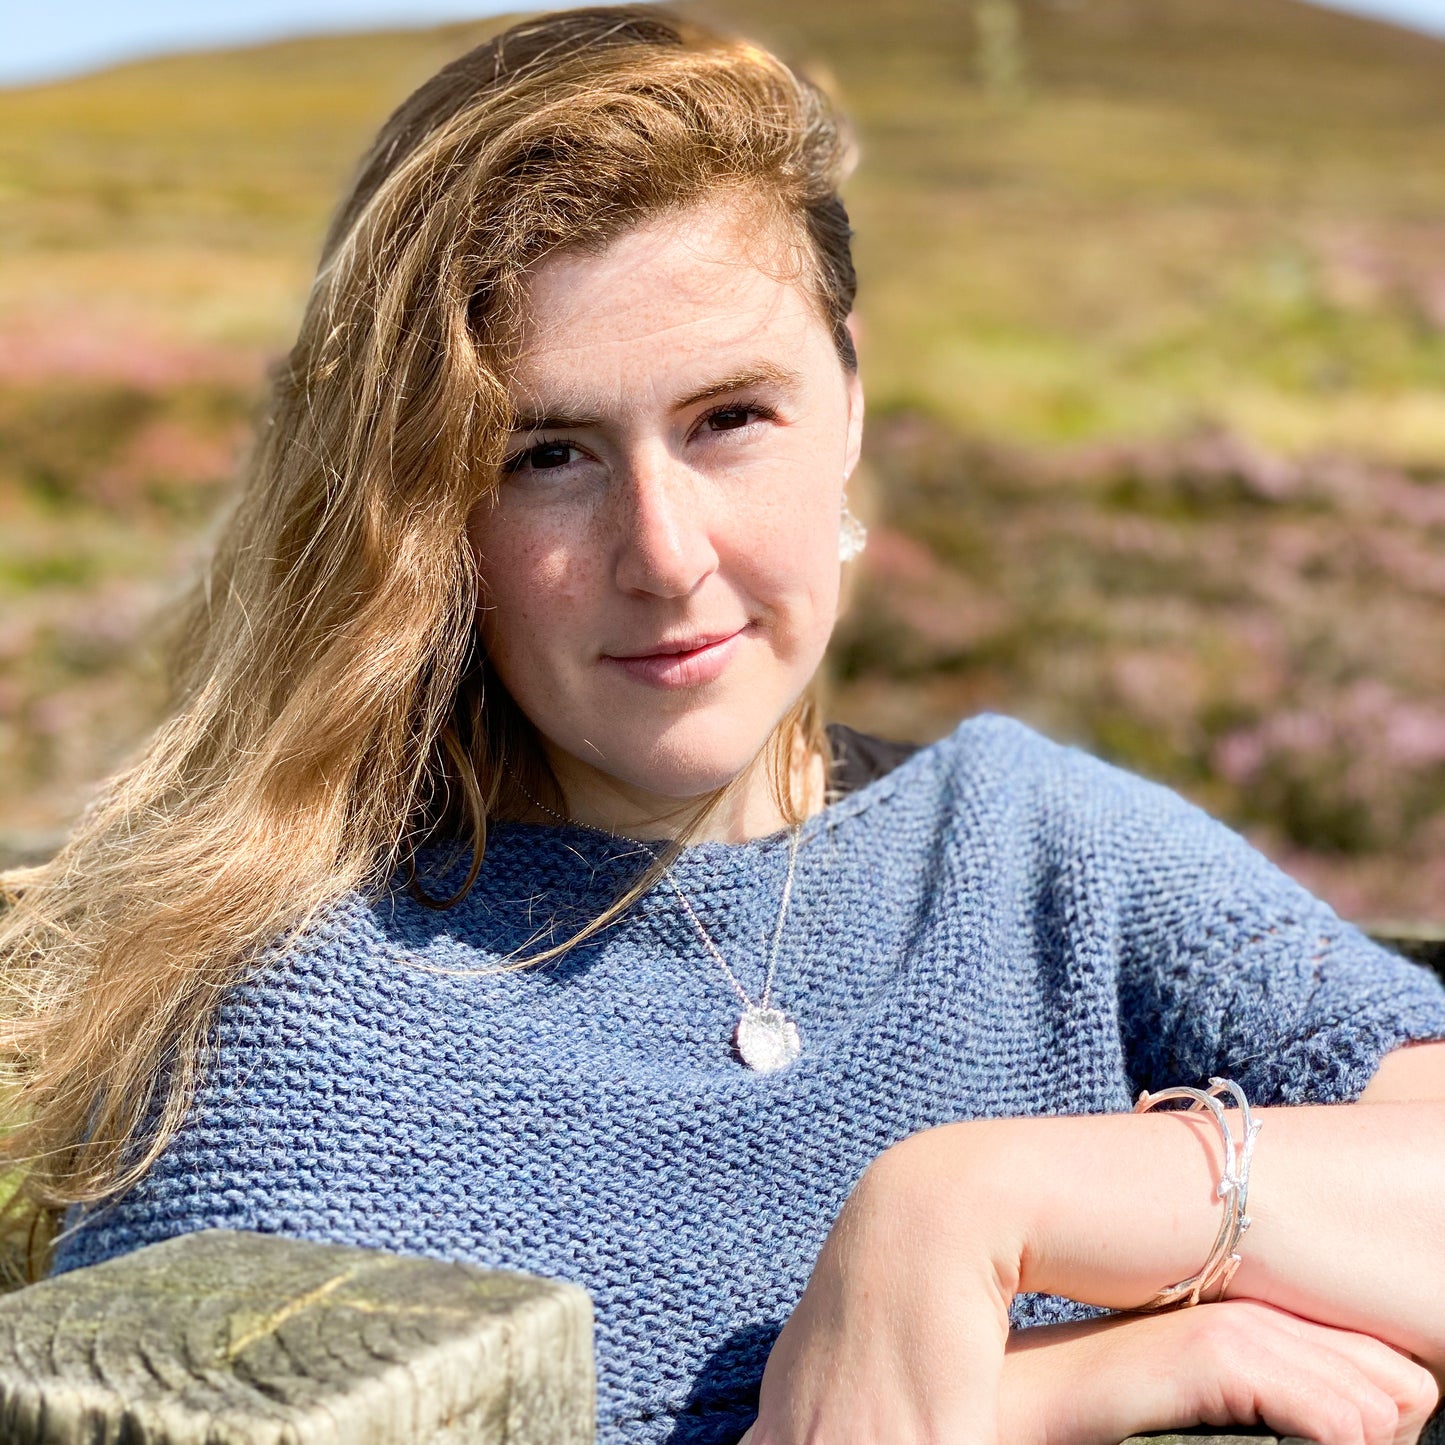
(593, 859)
(827, 818)
(588, 863)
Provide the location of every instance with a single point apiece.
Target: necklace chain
(712, 948)
(762, 1010)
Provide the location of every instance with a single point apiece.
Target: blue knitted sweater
(1000, 926)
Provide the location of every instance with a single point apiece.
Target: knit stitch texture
(1000, 926)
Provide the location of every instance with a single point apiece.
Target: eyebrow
(763, 373)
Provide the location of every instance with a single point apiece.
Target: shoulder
(332, 965)
(1060, 813)
(994, 762)
(1222, 962)
(991, 756)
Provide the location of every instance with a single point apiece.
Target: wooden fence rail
(225, 1338)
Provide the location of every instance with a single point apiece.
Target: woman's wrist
(1101, 1208)
(1108, 1208)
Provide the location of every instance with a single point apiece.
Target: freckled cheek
(790, 565)
(819, 613)
(539, 598)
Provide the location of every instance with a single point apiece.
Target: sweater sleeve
(1223, 965)
(1230, 968)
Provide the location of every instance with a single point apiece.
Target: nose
(665, 546)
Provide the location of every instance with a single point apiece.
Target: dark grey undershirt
(861, 758)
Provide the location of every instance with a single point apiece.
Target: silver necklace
(765, 1038)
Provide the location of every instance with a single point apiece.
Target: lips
(691, 661)
(694, 643)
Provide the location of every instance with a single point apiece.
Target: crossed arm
(902, 1334)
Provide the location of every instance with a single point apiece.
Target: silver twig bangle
(1233, 1189)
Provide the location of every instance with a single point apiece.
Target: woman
(495, 891)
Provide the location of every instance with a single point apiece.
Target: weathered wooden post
(226, 1338)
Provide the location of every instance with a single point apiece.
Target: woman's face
(660, 559)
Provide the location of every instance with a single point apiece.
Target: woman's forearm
(902, 1333)
(1347, 1203)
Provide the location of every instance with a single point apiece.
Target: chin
(687, 756)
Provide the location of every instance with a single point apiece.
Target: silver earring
(852, 536)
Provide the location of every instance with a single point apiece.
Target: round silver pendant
(766, 1039)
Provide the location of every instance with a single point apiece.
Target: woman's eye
(734, 418)
(544, 457)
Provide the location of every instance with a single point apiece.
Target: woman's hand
(899, 1337)
(1098, 1382)
(1236, 1363)
(902, 1330)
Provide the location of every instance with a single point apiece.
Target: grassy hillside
(1221, 207)
(1154, 340)
(1200, 208)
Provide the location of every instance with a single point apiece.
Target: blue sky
(41, 41)
(1421, 14)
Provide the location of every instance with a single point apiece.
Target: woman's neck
(747, 808)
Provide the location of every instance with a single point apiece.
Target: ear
(855, 406)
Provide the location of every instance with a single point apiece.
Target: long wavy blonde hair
(332, 707)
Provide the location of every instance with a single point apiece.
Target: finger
(1408, 1383)
(1320, 1396)
(1410, 1387)
(1260, 1367)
